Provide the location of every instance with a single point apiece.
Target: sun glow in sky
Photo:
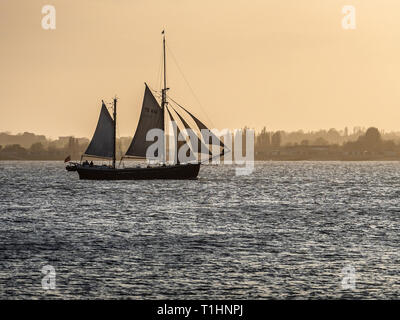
(285, 64)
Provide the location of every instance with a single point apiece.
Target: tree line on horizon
(28, 146)
(327, 145)
(332, 136)
(38, 147)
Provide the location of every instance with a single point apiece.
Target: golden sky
(285, 64)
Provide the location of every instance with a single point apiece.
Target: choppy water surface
(285, 231)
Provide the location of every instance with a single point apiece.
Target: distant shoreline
(257, 160)
(334, 159)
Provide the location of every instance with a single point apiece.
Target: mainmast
(164, 96)
(164, 90)
(115, 131)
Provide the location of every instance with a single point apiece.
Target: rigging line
(180, 119)
(212, 157)
(187, 82)
(159, 72)
(177, 103)
(228, 150)
(187, 126)
(198, 129)
(155, 93)
(119, 144)
(182, 108)
(198, 132)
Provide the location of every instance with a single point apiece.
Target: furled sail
(200, 145)
(151, 117)
(102, 143)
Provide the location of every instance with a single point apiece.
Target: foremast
(115, 131)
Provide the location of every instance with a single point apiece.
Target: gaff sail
(151, 117)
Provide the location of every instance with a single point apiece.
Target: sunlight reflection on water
(286, 231)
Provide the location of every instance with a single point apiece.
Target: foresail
(213, 139)
(178, 144)
(201, 147)
(102, 143)
(151, 117)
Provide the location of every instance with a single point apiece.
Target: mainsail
(102, 143)
(151, 117)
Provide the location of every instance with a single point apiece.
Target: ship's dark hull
(175, 172)
(71, 168)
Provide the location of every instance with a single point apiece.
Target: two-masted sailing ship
(152, 116)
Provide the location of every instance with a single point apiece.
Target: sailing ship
(152, 116)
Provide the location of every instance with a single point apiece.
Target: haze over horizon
(283, 64)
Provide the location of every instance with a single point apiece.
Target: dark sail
(202, 126)
(178, 143)
(102, 143)
(151, 117)
(200, 145)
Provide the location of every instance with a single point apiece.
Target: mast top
(164, 90)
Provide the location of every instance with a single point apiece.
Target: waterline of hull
(175, 172)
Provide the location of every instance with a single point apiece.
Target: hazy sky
(285, 64)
